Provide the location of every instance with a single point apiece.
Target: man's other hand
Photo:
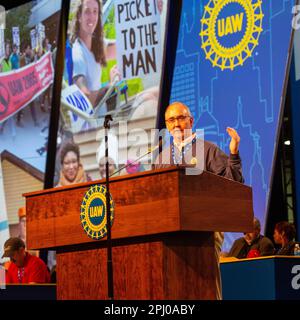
(235, 140)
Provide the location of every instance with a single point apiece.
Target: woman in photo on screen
(89, 51)
(71, 169)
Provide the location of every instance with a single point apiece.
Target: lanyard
(21, 274)
(183, 151)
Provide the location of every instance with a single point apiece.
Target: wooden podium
(162, 235)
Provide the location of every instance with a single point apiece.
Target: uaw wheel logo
(230, 31)
(93, 212)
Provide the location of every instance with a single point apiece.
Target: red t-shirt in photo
(34, 270)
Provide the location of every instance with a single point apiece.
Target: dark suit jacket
(241, 248)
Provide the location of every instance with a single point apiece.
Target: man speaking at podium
(179, 122)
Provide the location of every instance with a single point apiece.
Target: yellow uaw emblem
(194, 161)
(93, 212)
(230, 30)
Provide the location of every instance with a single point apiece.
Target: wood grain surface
(174, 266)
(163, 240)
(148, 203)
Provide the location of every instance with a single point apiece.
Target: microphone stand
(110, 279)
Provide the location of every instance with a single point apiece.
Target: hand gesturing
(235, 140)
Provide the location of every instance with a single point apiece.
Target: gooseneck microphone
(151, 150)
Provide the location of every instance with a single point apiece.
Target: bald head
(179, 121)
(256, 224)
(178, 106)
(251, 236)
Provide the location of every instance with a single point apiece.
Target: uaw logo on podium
(230, 31)
(93, 212)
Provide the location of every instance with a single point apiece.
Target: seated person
(284, 234)
(24, 267)
(252, 245)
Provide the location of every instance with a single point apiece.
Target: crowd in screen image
(14, 60)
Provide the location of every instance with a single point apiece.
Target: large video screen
(113, 66)
(28, 38)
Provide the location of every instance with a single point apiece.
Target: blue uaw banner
(230, 70)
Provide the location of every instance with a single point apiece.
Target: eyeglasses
(179, 119)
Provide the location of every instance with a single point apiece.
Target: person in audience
(252, 245)
(24, 268)
(71, 169)
(284, 235)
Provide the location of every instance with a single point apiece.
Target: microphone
(150, 150)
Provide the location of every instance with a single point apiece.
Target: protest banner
(19, 87)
